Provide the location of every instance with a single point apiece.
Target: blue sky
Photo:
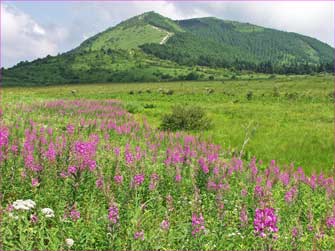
(36, 29)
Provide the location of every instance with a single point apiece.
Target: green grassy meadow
(289, 119)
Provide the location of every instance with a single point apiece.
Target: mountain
(150, 47)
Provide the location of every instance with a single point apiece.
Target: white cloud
(24, 39)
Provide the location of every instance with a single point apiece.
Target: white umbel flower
(24, 204)
(69, 242)
(48, 212)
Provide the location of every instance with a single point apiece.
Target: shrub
(169, 92)
(192, 76)
(292, 96)
(209, 91)
(149, 106)
(131, 92)
(249, 95)
(134, 107)
(186, 118)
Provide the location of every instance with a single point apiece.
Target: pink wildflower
(198, 224)
(265, 222)
(113, 214)
(165, 225)
(75, 215)
(34, 182)
(139, 235)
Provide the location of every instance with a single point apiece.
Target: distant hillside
(150, 47)
(214, 42)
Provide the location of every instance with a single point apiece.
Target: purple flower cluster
(330, 222)
(153, 181)
(99, 182)
(4, 133)
(291, 194)
(85, 153)
(74, 214)
(113, 214)
(139, 235)
(244, 216)
(165, 225)
(72, 170)
(265, 222)
(118, 179)
(50, 154)
(198, 224)
(138, 180)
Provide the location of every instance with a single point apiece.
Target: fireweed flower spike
(165, 225)
(244, 216)
(113, 214)
(139, 235)
(74, 214)
(118, 179)
(34, 182)
(138, 180)
(265, 222)
(198, 224)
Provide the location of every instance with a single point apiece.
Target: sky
(35, 29)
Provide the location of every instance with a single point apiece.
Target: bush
(149, 106)
(186, 118)
(249, 95)
(192, 76)
(74, 92)
(209, 91)
(292, 96)
(134, 107)
(169, 92)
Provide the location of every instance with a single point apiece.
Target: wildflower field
(83, 173)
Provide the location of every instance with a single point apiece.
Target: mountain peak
(149, 27)
(137, 48)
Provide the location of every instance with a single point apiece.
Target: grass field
(79, 172)
(289, 119)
